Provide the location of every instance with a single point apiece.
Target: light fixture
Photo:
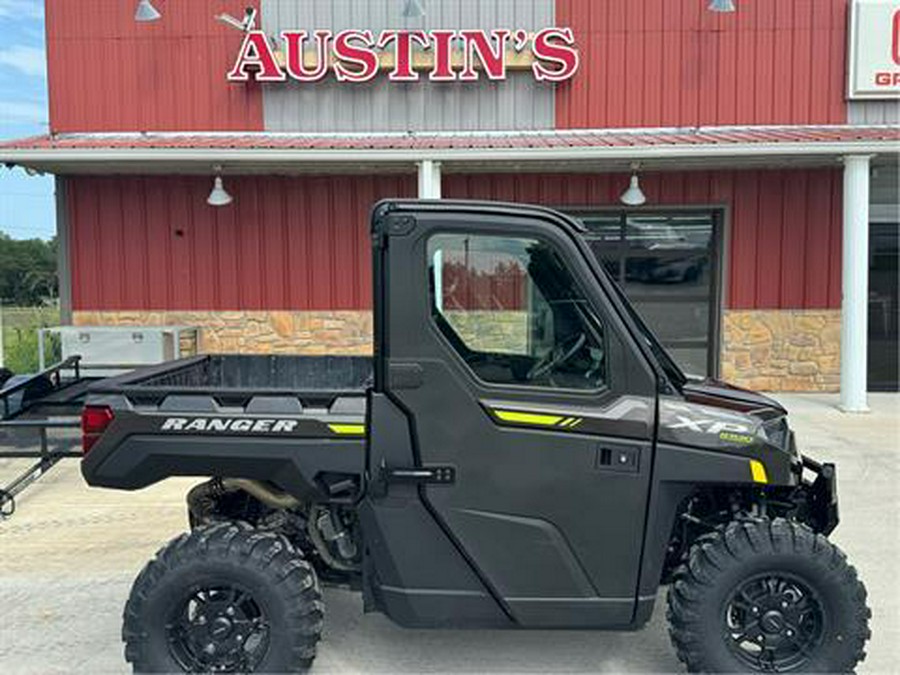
(413, 9)
(721, 6)
(634, 196)
(219, 196)
(248, 24)
(146, 12)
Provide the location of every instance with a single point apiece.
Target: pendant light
(634, 196)
(722, 6)
(219, 196)
(412, 9)
(146, 12)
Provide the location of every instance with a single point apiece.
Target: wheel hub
(221, 629)
(774, 622)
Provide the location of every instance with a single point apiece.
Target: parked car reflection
(657, 253)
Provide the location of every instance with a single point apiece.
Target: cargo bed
(245, 373)
(299, 419)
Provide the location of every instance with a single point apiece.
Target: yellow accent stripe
(528, 418)
(348, 429)
(538, 419)
(758, 471)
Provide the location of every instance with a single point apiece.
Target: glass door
(884, 317)
(667, 265)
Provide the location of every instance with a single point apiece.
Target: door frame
(719, 259)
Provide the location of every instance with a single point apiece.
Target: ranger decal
(223, 424)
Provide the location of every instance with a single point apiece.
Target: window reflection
(664, 264)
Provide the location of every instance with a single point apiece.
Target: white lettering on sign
(226, 424)
(355, 55)
(874, 50)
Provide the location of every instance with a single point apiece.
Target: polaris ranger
(519, 453)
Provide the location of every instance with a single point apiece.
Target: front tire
(224, 598)
(767, 595)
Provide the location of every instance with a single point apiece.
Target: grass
(20, 340)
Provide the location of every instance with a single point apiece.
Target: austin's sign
(549, 54)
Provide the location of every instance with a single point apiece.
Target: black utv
(519, 453)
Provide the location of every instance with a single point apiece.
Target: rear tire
(224, 598)
(765, 595)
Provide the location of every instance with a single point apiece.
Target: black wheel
(767, 596)
(224, 598)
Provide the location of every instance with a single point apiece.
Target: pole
(429, 179)
(855, 285)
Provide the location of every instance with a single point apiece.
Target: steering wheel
(557, 356)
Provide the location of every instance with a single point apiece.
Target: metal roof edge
(498, 133)
(237, 156)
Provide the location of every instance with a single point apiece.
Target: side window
(512, 311)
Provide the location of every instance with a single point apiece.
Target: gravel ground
(69, 555)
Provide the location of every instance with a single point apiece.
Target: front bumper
(821, 496)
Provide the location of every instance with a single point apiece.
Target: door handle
(617, 459)
(437, 475)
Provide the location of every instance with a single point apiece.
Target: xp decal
(706, 426)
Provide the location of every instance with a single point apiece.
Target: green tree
(27, 271)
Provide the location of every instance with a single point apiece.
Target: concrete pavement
(69, 555)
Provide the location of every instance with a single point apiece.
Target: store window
(512, 311)
(666, 263)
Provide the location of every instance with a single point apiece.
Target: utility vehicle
(520, 452)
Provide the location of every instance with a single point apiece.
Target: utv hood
(718, 394)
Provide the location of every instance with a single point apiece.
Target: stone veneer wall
(256, 332)
(770, 350)
(782, 350)
(503, 331)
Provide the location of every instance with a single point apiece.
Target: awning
(557, 150)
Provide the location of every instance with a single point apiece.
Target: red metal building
(737, 124)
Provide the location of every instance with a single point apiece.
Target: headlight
(777, 432)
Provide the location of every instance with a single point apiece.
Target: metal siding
(885, 186)
(672, 63)
(874, 112)
(379, 105)
(107, 72)
(152, 243)
(785, 226)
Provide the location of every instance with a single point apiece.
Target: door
(884, 314)
(531, 390)
(667, 266)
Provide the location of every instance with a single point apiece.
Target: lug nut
(790, 633)
(756, 610)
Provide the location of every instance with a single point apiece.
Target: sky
(27, 207)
